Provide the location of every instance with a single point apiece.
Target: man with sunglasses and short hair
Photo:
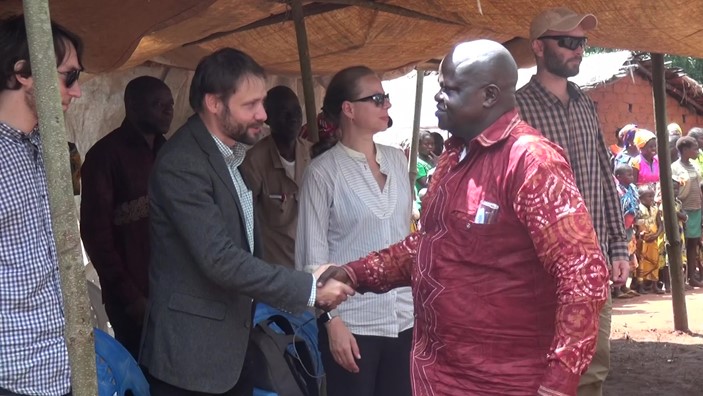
(33, 354)
(566, 116)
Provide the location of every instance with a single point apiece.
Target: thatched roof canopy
(383, 34)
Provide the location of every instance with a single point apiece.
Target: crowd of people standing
(192, 235)
(636, 170)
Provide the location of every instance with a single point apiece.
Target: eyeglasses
(568, 42)
(71, 77)
(378, 99)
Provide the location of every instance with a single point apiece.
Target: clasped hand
(332, 287)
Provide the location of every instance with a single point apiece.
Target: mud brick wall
(631, 101)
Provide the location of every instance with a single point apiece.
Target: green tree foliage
(692, 66)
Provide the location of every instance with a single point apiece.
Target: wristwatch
(326, 317)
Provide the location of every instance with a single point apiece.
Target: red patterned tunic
(502, 308)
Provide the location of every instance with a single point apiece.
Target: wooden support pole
(671, 226)
(414, 143)
(305, 69)
(79, 327)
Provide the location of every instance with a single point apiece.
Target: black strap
(273, 346)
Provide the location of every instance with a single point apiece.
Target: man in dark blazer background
(205, 271)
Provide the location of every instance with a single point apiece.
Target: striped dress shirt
(33, 354)
(575, 127)
(343, 215)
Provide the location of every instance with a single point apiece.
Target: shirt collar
(549, 98)
(233, 155)
(361, 157)
(496, 132)
(18, 136)
(499, 130)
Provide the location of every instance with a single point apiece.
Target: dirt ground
(647, 356)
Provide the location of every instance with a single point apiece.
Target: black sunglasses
(568, 42)
(71, 77)
(378, 99)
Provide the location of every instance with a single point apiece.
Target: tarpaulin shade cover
(384, 34)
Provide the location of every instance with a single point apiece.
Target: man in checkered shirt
(33, 355)
(566, 116)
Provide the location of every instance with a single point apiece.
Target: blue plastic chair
(117, 371)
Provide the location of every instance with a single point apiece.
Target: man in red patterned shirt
(507, 274)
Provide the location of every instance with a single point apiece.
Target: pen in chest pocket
(487, 213)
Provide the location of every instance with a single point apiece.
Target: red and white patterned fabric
(505, 308)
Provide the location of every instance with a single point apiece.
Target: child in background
(681, 217)
(650, 228)
(629, 200)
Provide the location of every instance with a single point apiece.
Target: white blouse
(344, 215)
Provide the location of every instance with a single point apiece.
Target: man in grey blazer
(205, 271)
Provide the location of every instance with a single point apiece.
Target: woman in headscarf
(629, 150)
(646, 164)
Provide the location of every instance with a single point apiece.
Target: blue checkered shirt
(33, 354)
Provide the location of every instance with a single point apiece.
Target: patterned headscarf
(674, 129)
(627, 134)
(642, 136)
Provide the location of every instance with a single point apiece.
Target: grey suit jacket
(202, 276)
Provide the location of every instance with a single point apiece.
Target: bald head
(488, 59)
(477, 80)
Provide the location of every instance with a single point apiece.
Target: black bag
(274, 368)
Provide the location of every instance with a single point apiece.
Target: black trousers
(160, 388)
(243, 387)
(384, 367)
(127, 331)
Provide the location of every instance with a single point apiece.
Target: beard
(558, 66)
(238, 131)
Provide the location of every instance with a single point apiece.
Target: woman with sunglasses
(355, 199)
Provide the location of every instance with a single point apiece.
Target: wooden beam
(414, 143)
(308, 10)
(62, 206)
(305, 69)
(671, 224)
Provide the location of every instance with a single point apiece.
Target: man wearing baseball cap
(566, 116)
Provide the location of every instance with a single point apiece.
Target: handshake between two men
(334, 286)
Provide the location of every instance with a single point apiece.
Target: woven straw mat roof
(384, 34)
